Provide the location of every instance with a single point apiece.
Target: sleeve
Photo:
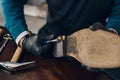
(13, 14)
(114, 17)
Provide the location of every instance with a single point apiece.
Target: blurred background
(35, 14)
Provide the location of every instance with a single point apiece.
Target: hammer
(13, 66)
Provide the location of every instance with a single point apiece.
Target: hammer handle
(17, 54)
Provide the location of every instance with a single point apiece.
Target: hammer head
(11, 67)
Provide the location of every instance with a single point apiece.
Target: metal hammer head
(14, 67)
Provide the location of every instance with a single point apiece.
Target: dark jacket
(64, 16)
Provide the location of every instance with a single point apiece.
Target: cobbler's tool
(6, 37)
(58, 39)
(13, 66)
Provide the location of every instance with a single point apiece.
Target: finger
(97, 26)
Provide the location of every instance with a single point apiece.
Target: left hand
(99, 25)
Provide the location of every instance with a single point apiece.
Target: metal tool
(6, 37)
(58, 39)
(13, 66)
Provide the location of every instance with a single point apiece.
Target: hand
(98, 25)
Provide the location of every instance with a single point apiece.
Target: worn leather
(31, 45)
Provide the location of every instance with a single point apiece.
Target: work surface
(48, 69)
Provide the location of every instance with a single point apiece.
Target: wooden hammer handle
(17, 54)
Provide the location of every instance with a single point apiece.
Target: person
(64, 18)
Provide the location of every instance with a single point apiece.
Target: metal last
(11, 66)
